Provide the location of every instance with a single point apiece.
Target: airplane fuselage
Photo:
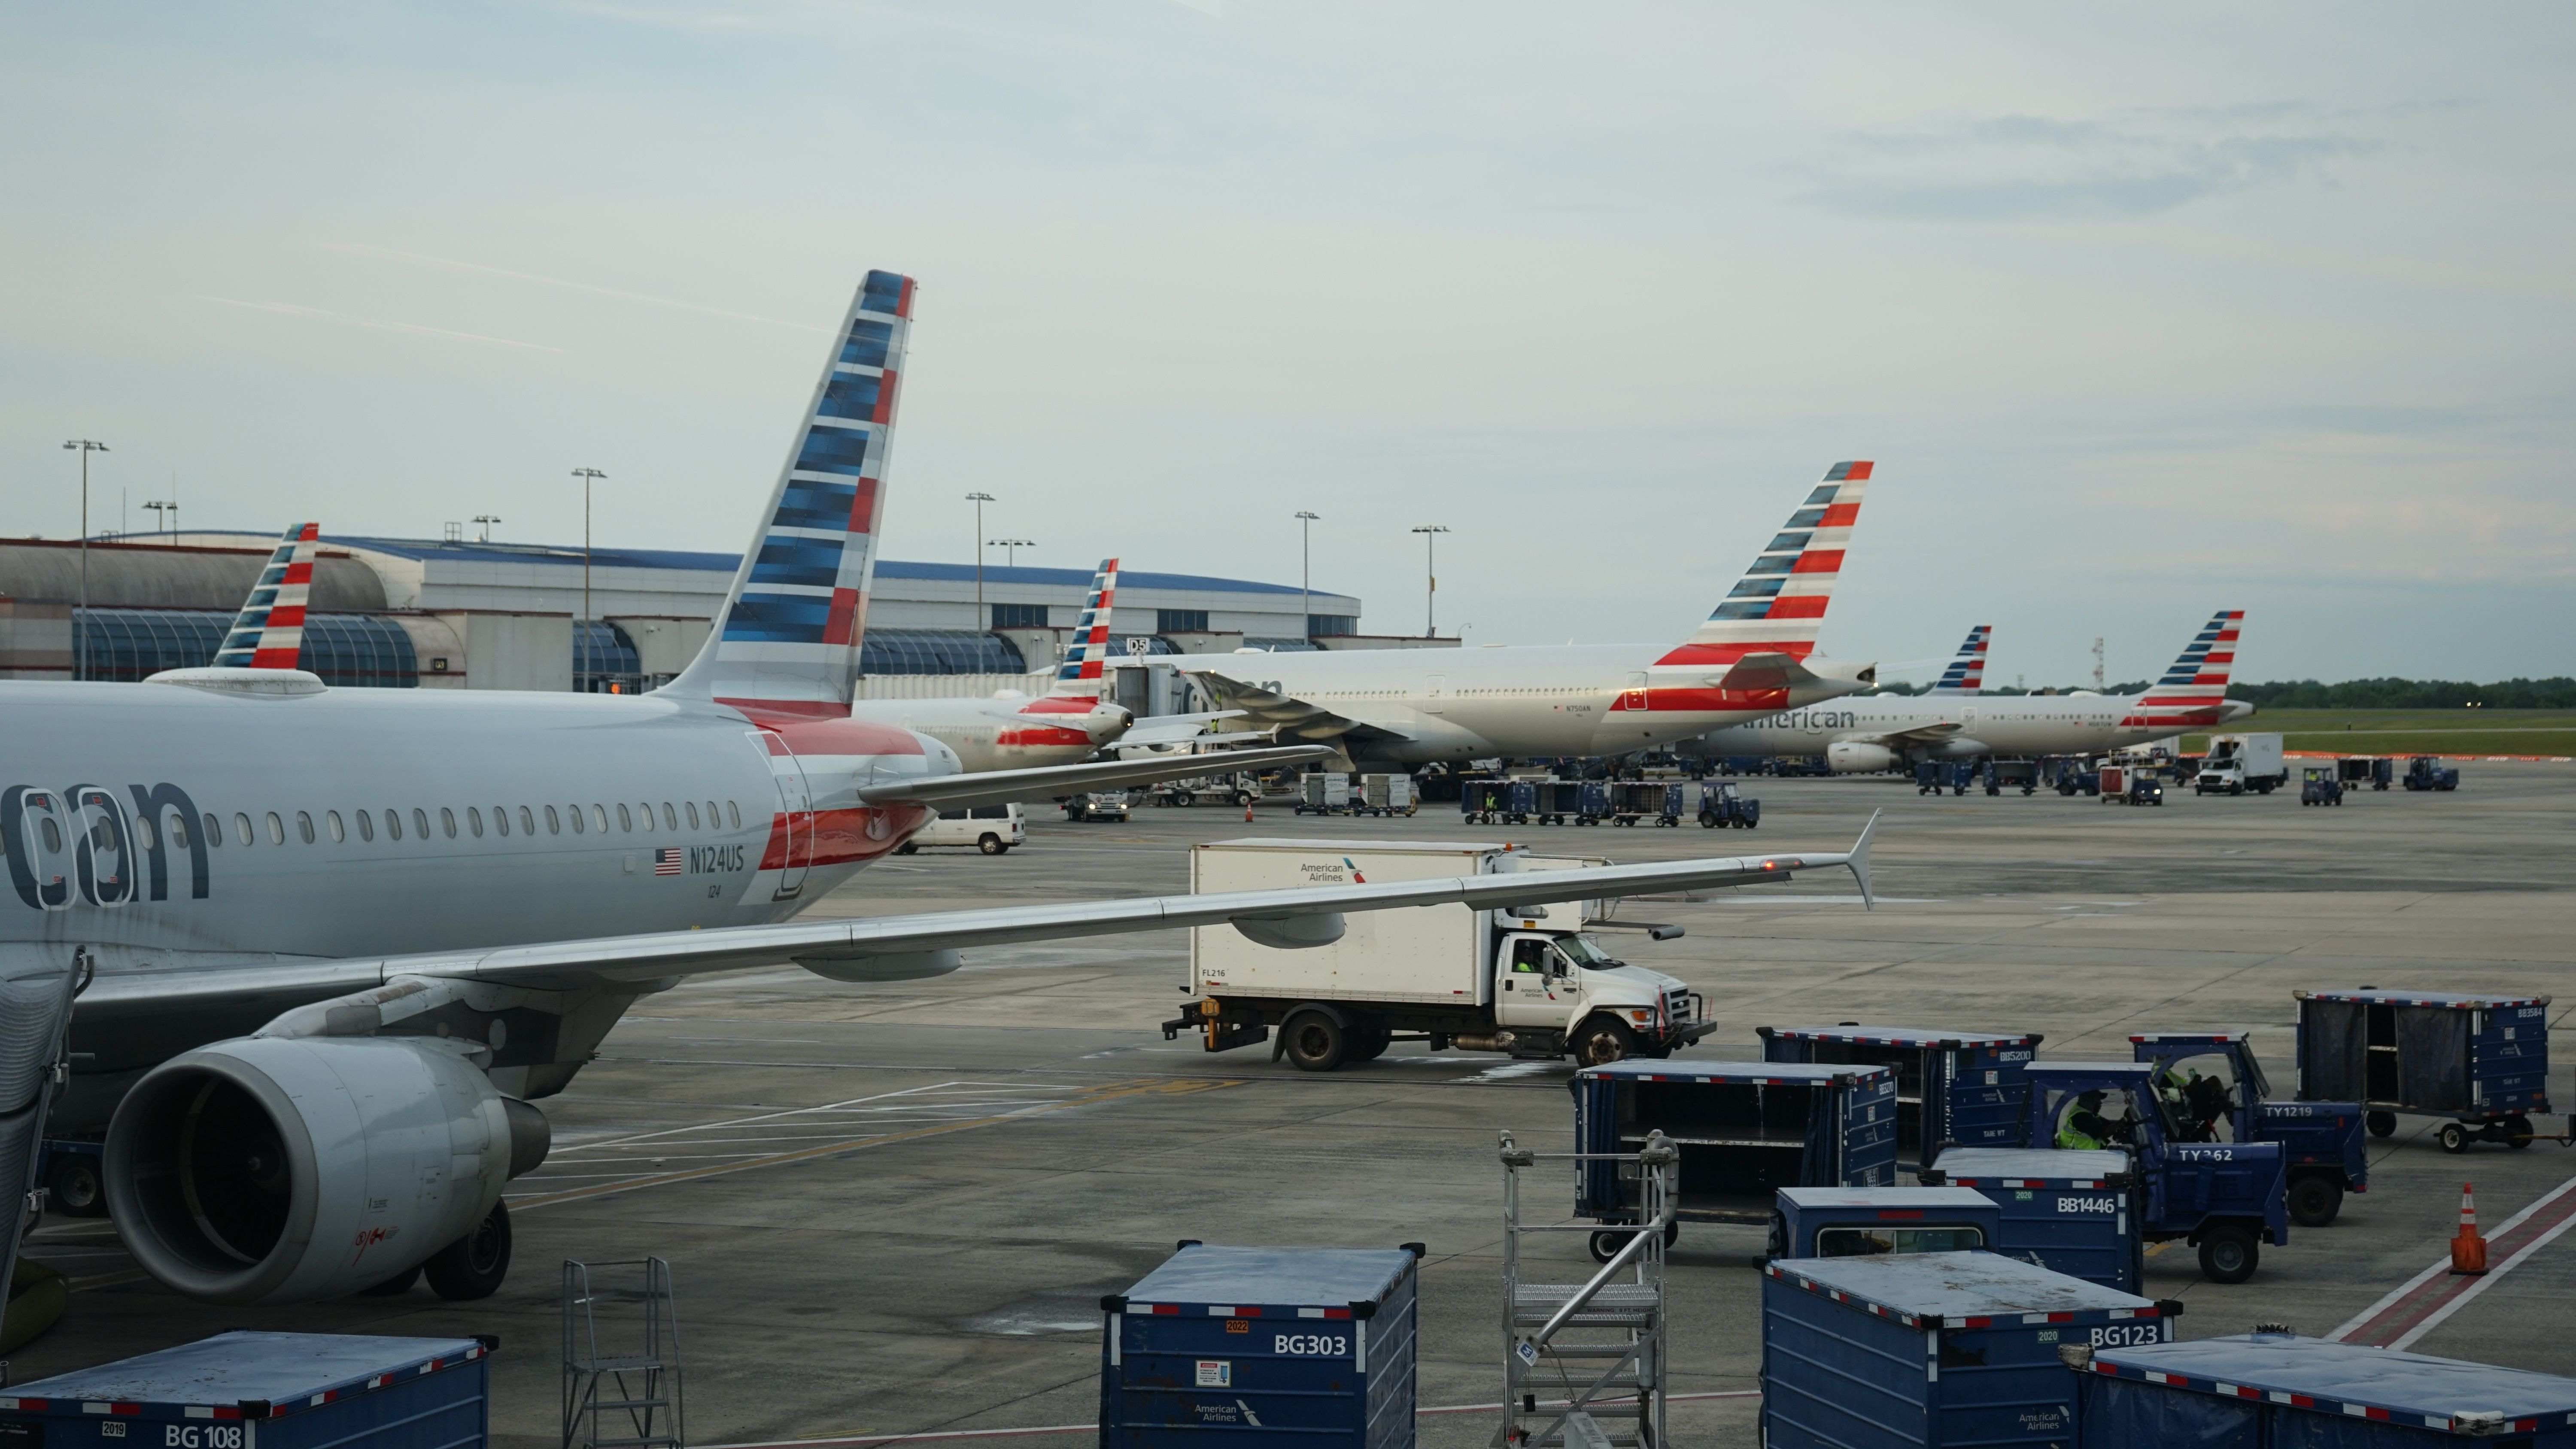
(1004, 732)
(1511, 700)
(1986, 724)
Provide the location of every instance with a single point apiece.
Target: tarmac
(893, 1210)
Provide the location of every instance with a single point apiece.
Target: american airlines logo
(80, 843)
(1810, 719)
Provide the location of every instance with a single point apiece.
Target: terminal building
(468, 614)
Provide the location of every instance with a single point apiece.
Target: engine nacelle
(1850, 757)
(288, 1169)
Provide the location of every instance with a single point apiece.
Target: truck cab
(2325, 1142)
(2226, 1199)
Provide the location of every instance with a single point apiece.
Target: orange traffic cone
(1247, 810)
(2468, 1250)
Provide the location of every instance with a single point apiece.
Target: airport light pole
(581, 637)
(1012, 558)
(1306, 575)
(167, 517)
(979, 500)
(1430, 577)
(487, 520)
(80, 655)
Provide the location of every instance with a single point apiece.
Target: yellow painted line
(1140, 1087)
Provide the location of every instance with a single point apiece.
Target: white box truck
(1531, 984)
(2238, 763)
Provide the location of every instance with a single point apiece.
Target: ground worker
(2084, 1130)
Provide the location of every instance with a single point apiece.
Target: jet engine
(1851, 757)
(288, 1169)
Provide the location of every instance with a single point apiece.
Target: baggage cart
(1745, 1130)
(1592, 802)
(1324, 793)
(1725, 803)
(1635, 800)
(2002, 775)
(1859, 1222)
(2364, 772)
(2069, 1212)
(2278, 1388)
(2071, 775)
(2131, 785)
(2481, 1061)
(1952, 1087)
(1384, 795)
(1933, 1349)
(2427, 772)
(243, 1389)
(1557, 802)
(1931, 777)
(1299, 1346)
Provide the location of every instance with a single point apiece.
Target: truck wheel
(2228, 1254)
(2381, 1124)
(990, 844)
(1606, 1245)
(1314, 1042)
(2314, 1200)
(2517, 1131)
(2454, 1137)
(72, 1186)
(1366, 1041)
(473, 1266)
(1601, 1042)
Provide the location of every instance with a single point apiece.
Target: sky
(2140, 314)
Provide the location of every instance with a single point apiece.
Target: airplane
(1754, 656)
(331, 944)
(268, 633)
(1893, 731)
(1967, 672)
(1069, 722)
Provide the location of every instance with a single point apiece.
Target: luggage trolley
(1953, 1088)
(2481, 1061)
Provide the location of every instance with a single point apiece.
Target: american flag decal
(666, 860)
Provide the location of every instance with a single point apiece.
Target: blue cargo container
(245, 1390)
(1262, 1346)
(2263, 1389)
(1932, 1349)
(2482, 1061)
(1952, 1087)
(2069, 1212)
(1745, 1130)
(1856, 1222)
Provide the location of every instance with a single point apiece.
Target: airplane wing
(1930, 734)
(1172, 729)
(1001, 787)
(898, 948)
(1288, 717)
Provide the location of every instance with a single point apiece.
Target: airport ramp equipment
(252, 1390)
(2278, 1388)
(1251, 1346)
(1743, 1131)
(1861, 1222)
(2481, 1061)
(1932, 1349)
(37, 984)
(1962, 1088)
(2072, 1212)
(1584, 1363)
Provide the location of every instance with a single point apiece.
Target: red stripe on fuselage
(1061, 704)
(1042, 735)
(1729, 653)
(1704, 701)
(838, 837)
(820, 727)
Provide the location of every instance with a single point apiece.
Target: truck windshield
(1583, 953)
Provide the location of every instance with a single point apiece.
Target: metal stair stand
(625, 1395)
(1583, 1364)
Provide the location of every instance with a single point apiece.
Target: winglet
(1859, 861)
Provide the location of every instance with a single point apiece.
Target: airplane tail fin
(1967, 673)
(2194, 691)
(1079, 671)
(787, 639)
(268, 633)
(1779, 605)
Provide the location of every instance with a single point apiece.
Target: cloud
(289, 309)
(2014, 167)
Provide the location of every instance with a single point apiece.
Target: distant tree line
(2553, 693)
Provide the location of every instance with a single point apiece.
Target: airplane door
(795, 809)
(1435, 694)
(1968, 718)
(1634, 696)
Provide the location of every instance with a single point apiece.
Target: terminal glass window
(605, 660)
(1331, 626)
(1019, 616)
(1180, 621)
(937, 651)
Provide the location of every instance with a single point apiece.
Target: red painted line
(1094, 1428)
(2429, 1292)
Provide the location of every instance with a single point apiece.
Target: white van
(991, 829)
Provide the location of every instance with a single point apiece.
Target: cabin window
(53, 834)
(304, 826)
(276, 829)
(599, 817)
(366, 824)
(578, 823)
(420, 823)
(447, 821)
(474, 822)
(241, 827)
(734, 814)
(214, 830)
(393, 823)
(501, 818)
(670, 817)
(331, 821)
(625, 819)
(179, 831)
(693, 813)
(713, 819)
(554, 822)
(527, 821)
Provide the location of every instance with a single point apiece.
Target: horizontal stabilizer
(1765, 671)
(1001, 787)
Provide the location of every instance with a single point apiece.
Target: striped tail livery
(268, 633)
(1079, 673)
(2194, 691)
(1779, 605)
(1967, 673)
